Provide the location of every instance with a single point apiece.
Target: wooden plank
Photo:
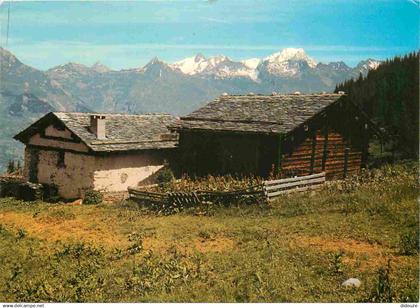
(299, 189)
(297, 183)
(196, 199)
(298, 161)
(303, 147)
(144, 192)
(288, 180)
(346, 161)
(147, 199)
(340, 169)
(295, 179)
(293, 184)
(340, 164)
(297, 165)
(313, 153)
(342, 158)
(351, 156)
(293, 172)
(340, 152)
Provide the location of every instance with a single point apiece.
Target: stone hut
(105, 152)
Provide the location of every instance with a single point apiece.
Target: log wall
(323, 151)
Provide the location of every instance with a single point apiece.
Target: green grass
(298, 249)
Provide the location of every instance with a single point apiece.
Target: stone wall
(81, 172)
(72, 178)
(51, 159)
(117, 172)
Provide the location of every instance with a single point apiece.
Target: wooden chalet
(286, 135)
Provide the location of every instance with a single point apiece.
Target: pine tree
(11, 166)
(390, 96)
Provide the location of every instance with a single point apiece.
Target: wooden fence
(275, 188)
(267, 191)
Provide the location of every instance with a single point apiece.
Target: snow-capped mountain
(179, 86)
(198, 64)
(287, 63)
(284, 63)
(290, 54)
(367, 65)
(217, 66)
(251, 63)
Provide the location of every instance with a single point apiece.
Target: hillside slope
(299, 249)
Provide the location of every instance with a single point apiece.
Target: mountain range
(178, 88)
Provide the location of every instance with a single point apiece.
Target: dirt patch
(345, 245)
(66, 230)
(155, 244)
(357, 254)
(218, 244)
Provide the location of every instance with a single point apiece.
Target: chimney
(97, 126)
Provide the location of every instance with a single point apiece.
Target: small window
(60, 159)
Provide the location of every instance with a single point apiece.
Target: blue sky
(124, 34)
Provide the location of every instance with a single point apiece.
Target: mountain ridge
(284, 63)
(27, 93)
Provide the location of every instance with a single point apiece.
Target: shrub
(14, 167)
(50, 192)
(383, 291)
(409, 242)
(92, 197)
(165, 176)
(11, 166)
(21, 234)
(337, 265)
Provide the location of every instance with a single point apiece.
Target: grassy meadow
(297, 249)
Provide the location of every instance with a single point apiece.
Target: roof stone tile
(257, 113)
(123, 132)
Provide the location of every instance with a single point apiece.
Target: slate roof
(124, 132)
(257, 113)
